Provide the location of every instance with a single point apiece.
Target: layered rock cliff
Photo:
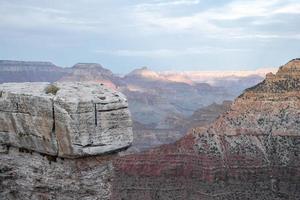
(57, 141)
(250, 152)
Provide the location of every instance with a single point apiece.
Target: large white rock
(81, 119)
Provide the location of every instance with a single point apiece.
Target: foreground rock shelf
(57, 141)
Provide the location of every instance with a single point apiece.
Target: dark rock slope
(250, 152)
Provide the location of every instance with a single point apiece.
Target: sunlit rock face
(250, 152)
(57, 141)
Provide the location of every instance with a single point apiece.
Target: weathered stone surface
(33, 176)
(80, 119)
(61, 145)
(250, 152)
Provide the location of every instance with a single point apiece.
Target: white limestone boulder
(80, 119)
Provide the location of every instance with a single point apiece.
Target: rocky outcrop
(57, 141)
(250, 152)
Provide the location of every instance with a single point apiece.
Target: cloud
(26, 17)
(225, 33)
(156, 53)
(214, 22)
(268, 36)
(288, 9)
(155, 17)
(159, 4)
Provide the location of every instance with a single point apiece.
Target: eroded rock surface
(250, 152)
(57, 142)
(79, 120)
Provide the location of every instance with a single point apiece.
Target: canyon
(249, 152)
(70, 140)
(157, 100)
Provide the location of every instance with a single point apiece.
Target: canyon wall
(250, 152)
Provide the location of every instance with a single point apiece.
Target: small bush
(51, 89)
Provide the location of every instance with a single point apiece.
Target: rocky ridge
(57, 140)
(250, 152)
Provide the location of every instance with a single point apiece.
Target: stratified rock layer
(250, 152)
(57, 141)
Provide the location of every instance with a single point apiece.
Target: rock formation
(22, 71)
(57, 141)
(92, 72)
(250, 152)
(157, 100)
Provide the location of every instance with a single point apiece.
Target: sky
(178, 35)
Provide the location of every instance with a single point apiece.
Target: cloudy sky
(161, 34)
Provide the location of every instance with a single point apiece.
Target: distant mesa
(11, 65)
(24, 71)
(91, 72)
(88, 66)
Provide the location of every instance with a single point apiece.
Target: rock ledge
(81, 119)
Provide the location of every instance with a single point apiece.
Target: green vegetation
(51, 89)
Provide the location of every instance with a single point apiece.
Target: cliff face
(250, 152)
(57, 141)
